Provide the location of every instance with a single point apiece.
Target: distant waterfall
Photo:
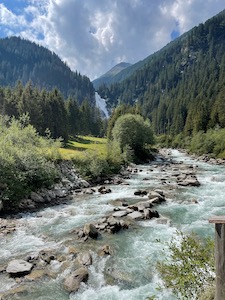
(100, 103)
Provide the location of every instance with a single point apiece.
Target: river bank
(56, 241)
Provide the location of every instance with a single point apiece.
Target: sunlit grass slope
(77, 147)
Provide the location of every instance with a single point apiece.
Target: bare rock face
(19, 267)
(72, 282)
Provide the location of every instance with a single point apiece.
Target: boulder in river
(90, 231)
(19, 267)
(136, 215)
(140, 193)
(84, 259)
(72, 282)
(188, 180)
(104, 250)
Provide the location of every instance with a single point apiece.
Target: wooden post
(219, 222)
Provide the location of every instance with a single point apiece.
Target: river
(129, 273)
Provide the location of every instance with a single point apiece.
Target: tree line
(48, 110)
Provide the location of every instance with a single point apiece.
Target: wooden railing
(219, 222)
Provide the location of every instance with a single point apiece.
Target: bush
(25, 159)
(91, 166)
(189, 269)
(133, 132)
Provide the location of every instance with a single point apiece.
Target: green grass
(77, 147)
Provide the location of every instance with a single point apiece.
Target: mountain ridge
(23, 60)
(108, 77)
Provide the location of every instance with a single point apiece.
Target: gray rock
(136, 215)
(119, 214)
(154, 194)
(72, 282)
(102, 226)
(188, 180)
(36, 197)
(90, 230)
(104, 250)
(85, 258)
(19, 267)
(140, 193)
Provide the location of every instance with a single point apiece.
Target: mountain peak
(108, 76)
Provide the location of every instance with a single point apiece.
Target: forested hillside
(181, 88)
(23, 60)
(48, 110)
(110, 76)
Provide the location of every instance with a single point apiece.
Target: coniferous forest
(49, 110)
(180, 88)
(24, 60)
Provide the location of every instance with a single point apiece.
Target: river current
(129, 273)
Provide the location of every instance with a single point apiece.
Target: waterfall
(101, 104)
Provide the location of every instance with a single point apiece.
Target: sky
(92, 36)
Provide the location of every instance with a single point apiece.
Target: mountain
(180, 88)
(24, 60)
(110, 76)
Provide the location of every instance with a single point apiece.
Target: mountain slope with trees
(110, 76)
(181, 88)
(26, 61)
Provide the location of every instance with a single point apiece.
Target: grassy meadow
(77, 147)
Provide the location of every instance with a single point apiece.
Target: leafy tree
(189, 269)
(133, 132)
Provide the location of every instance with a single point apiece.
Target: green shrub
(26, 159)
(189, 269)
(91, 166)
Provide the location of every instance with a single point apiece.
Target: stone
(154, 194)
(119, 214)
(72, 282)
(85, 258)
(140, 193)
(90, 230)
(136, 215)
(36, 197)
(104, 250)
(19, 267)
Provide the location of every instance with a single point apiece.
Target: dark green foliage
(133, 134)
(25, 159)
(23, 60)
(181, 87)
(189, 269)
(92, 166)
(119, 111)
(49, 111)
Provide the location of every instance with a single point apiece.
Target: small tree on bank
(134, 133)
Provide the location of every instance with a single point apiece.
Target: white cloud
(8, 19)
(93, 35)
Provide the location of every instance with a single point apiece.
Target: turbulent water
(130, 272)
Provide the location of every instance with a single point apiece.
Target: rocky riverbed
(70, 257)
